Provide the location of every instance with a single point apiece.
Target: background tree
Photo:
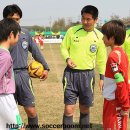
(63, 25)
(35, 28)
(59, 25)
(114, 17)
(126, 21)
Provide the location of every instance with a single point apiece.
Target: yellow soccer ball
(35, 69)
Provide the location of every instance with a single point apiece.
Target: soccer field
(49, 93)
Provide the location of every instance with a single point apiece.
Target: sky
(45, 12)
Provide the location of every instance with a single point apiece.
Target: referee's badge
(93, 48)
(24, 44)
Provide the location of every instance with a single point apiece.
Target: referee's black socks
(33, 123)
(84, 121)
(67, 122)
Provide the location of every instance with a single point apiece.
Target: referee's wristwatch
(101, 77)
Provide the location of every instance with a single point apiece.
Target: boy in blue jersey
(24, 93)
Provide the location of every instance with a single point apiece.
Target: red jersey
(117, 63)
(41, 40)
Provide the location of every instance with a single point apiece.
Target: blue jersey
(19, 52)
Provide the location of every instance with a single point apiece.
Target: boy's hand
(70, 63)
(44, 75)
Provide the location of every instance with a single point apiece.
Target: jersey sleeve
(101, 57)
(65, 45)
(118, 74)
(33, 48)
(5, 64)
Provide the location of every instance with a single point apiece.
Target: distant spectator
(41, 41)
(36, 40)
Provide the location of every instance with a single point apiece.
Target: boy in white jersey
(9, 114)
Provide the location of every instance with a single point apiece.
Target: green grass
(49, 94)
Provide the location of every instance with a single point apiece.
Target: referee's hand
(101, 84)
(70, 63)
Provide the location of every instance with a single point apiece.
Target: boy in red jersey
(41, 41)
(115, 91)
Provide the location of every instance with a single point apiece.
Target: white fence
(52, 40)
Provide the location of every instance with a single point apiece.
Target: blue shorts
(78, 83)
(24, 95)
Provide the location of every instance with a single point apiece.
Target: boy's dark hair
(90, 10)
(116, 29)
(10, 10)
(6, 27)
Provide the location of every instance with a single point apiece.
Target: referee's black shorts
(78, 83)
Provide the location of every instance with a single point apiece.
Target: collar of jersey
(1, 47)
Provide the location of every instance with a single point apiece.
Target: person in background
(41, 41)
(126, 47)
(36, 40)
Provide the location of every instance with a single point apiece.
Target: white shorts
(9, 114)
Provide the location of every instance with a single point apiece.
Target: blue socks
(84, 121)
(67, 121)
(33, 123)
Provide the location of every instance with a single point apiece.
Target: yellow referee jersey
(126, 46)
(84, 48)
